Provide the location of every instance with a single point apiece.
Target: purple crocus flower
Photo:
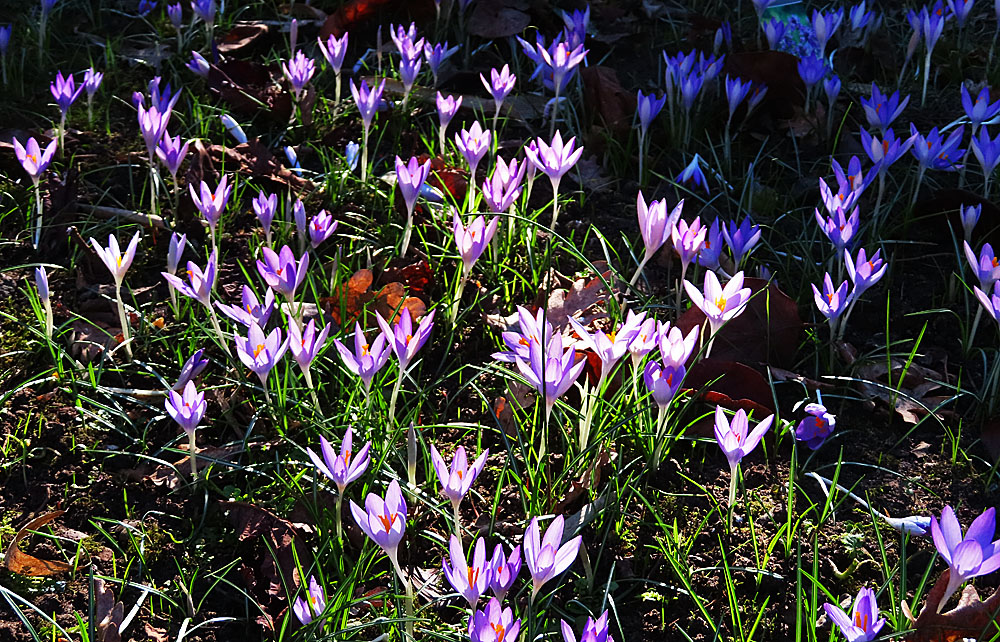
(547, 557)
(505, 570)
(384, 520)
(961, 9)
(736, 91)
(593, 630)
(812, 69)
(531, 329)
(204, 9)
(675, 347)
(446, 109)
(187, 408)
(33, 159)
(367, 359)
(655, 224)
(981, 110)
(504, 186)
(648, 107)
(814, 429)
(314, 603)
(882, 110)
(409, 67)
(987, 152)
(65, 92)
(864, 624)
(990, 302)
(436, 55)
(404, 341)
(969, 556)
(687, 240)
(499, 85)
(774, 31)
(741, 239)
(825, 25)
(473, 240)
(117, 262)
(176, 14)
(736, 439)
(261, 352)
(199, 283)
(644, 340)
(609, 347)
(690, 86)
(298, 72)
(199, 65)
(321, 227)
(563, 61)
(831, 87)
(719, 304)
(175, 250)
(551, 371)
(251, 310)
(212, 204)
(473, 143)
(663, 382)
(410, 177)
(692, 175)
(711, 249)
(936, 152)
(469, 580)
(970, 216)
(299, 216)
(91, 81)
(887, 151)
(5, 32)
(264, 206)
(240, 136)
(305, 344)
(171, 153)
(333, 51)
(986, 266)
(555, 160)
(831, 302)
(191, 368)
(839, 228)
(367, 100)
(864, 272)
(145, 7)
(494, 624)
(344, 468)
(280, 271)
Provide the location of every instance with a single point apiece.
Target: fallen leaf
(89, 341)
(251, 88)
(606, 99)
(242, 36)
(731, 385)
(19, 562)
(499, 19)
(350, 15)
(971, 619)
(108, 612)
(580, 301)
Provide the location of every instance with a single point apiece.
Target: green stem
(193, 456)
(458, 519)
(395, 394)
(218, 332)
(338, 512)
(123, 320)
(38, 216)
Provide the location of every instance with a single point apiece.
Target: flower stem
(38, 216)
(193, 456)
(458, 296)
(458, 520)
(408, 232)
(364, 154)
(638, 270)
(312, 389)
(661, 422)
(218, 333)
(338, 513)
(123, 320)
(555, 202)
(395, 393)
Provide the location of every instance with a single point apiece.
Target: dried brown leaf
(19, 562)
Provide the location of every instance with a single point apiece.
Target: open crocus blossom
(312, 605)
(719, 304)
(281, 272)
(35, 162)
(455, 483)
(117, 262)
(199, 284)
(967, 557)
(864, 272)
(505, 570)
(261, 352)
(986, 267)
(410, 178)
(675, 347)
(305, 344)
(404, 341)
(610, 347)
(188, 409)
(864, 624)
(344, 468)
(548, 557)
(298, 72)
(991, 303)
(593, 630)
(473, 240)
(551, 371)
(212, 204)
(555, 160)
(384, 522)
(494, 624)
(251, 310)
(831, 302)
(367, 359)
(655, 225)
(469, 580)
(737, 440)
(663, 382)
(531, 329)
(814, 429)
(321, 227)
(839, 227)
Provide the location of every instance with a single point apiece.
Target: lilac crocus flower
(609, 347)
(334, 50)
(187, 408)
(719, 304)
(384, 521)
(547, 557)
(690, 86)
(961, 9)
(367, 359)
(473, 143)
(91, 81)
(551, 371)
(864, 624)
(648, 107)
(310, 607)
(825, 25)
(531, 329)
(240, 136)
(563, 60)
(261, 352)
(986, 267)
(504, 186)
(65, 92)
(410, 178)
(774, 31)
(191, 368)
(687, 240)
(970, 216)
(204, 9)
(832, 301)
(146, 7)
(175, 250)
(499, 85)
(117, 262)
(814, 429)
(212, 204)
(321, 227)
(692, 175)
(409, 68)
(264, 206)
(990, 302)
(936, 152)
(711, 249)
(831, 87)
(887, 151)
(864, 272)
(736, 439)
(675, 347)
(494, 624)
(298, 72)
(344, 468)
(403, 339)
(663, 382)
(299, 216)
(555, 160)
(5, 33)
(469, 580)
(987, 152)
(593, 630)
(881, 110)
(736, 91)
(812, 69)
(171, 153)
(980, 110)
(252, 309)
(741, 239)
(655, 225)
(280, 271)
(436, 55)
(199, 283)
(367, 99)
(839, 228)
(199, 65)
(644, 339)
(176, 14)
(969, 556)
(33, 159)
(305, 344)
(446, 109)
(473, 240)
(505, 570)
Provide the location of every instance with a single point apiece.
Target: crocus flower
(191, 368)
(409, 68)
(199, 284)
(334, 50)
(473, 240)
(774, 31)
(675, 347)
(204, 9)
(648, 106)
(742, 239)
(593, 630)
(961, 9)
(531, 329)
(563, 61)
(711, 249)
(859, 17)
(112, 256)
(505, 570)
(881, 110)
(655, 225)
(812, 69)
(609, 347)
(969, 556)
(33, 159)
(186, 409)
(312, 605)
(864, 623)
(551, 371)
(261, 352)
(814, 429)
(344, 468)
(499, 85)
(65, 92)
(990, 303)
(384, 520)
(692, 175)
(321, 227)
(280, 271)
(305, 344)
(351, 155)
(494, 624)
(473, 143)
(367, 100)
(970, 216)
(199, 65)
(234, 129)
(176, 14)
(719, 304)
(504, 186)
(663, 382)
(548, 557)
(42, 285)
(298, 72)
(555, 160)
(447, 107)
(410, 178)
(690, 86)
(831, 87)
(839, 228)
(687, 240)
(469, 580)
(91, 81)
(987, 152)
(251, 310)
(404, 341)
(935, 152)
(5, 32)
(831, 302)
(366, 360)
(736, 439)
(986, 267)
(264, 206)
(212, 204)
(825, 25)
(864, 272)
(171, 153)
(436, 54)
(887, 151)
(981, 110)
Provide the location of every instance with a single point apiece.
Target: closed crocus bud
(42, 284)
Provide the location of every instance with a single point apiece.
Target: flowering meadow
(499, 320)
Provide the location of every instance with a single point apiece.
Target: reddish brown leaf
(971, 619)
(346, 307)
(19, 562)
(731, 385)
(243, 36)
(499, 18)
(606, 99)
(415, 275)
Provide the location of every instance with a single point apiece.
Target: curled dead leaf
(19, 562)
(971, 619)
